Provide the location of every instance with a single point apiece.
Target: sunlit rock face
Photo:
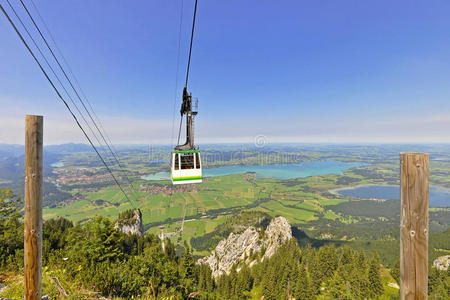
(132, 224)
(242, 247)
(442, 263)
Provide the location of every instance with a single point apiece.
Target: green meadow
(215, 200)
(307, 203)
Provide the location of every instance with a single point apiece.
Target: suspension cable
(190, 47)
(52, 70)
(59, 80)
(79, 98)
(72, 74)
(179, 130)
(189, 63)
(176, 75)
(114, 152)
(64, 101)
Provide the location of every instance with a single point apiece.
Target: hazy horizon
(252, 144)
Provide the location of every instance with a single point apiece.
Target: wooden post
(33, 207)
(414, 226)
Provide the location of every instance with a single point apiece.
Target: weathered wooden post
(414, 226)
(33, 206)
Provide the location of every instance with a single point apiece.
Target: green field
(306, 202)
(214, 200)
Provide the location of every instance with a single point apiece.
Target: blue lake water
(276, 171)
(57, 164)
(439, 197)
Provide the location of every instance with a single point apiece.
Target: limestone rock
(237, 247)
(277, 233)
(442, 263)
(130, 223)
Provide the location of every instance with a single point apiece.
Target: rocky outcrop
(130, 222)
(442, 263)
(277, 233)
(242, 247)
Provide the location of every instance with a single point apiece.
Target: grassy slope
(302, 201)
(216, 196)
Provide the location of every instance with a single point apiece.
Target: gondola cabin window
(187, 161)
(197, 161)
(186, 167)
(176, 161)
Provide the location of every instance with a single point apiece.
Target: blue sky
(311, 71)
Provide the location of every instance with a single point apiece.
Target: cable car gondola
(186, 161)
(186, 164)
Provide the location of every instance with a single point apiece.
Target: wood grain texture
(33, 206)
(414, 226)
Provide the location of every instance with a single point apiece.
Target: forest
(93, 258)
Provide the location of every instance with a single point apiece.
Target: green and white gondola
(186, 167)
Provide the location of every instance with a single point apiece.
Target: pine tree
(346, 263)
(269, 283)
(395, 271)
(435, 279)
(235, 288)
(361, 260)
(338, 287)
(302, 288)
(328, 261)
(187, 265)
(224, 287)
(244, 281)
(9, 204)
(314, 271)
(375, 283)
(351, 273)
(359, 283)
(441, 286)
(257, 273)
(11, 228)
(204, 278)
(347, 256)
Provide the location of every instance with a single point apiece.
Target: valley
(307, 202)
(304, 185)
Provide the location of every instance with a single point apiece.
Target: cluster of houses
(80, 175)
(154, 189)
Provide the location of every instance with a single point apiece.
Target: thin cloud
(128, 130)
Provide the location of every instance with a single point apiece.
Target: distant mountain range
(17, 150)
(7, 150)
(12, 158)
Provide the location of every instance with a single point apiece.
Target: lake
(439, 197)
(57, 164)
(276, 171)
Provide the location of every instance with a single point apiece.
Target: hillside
(81, 202)
(79, 189)
(244, 247)
(94, 259)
